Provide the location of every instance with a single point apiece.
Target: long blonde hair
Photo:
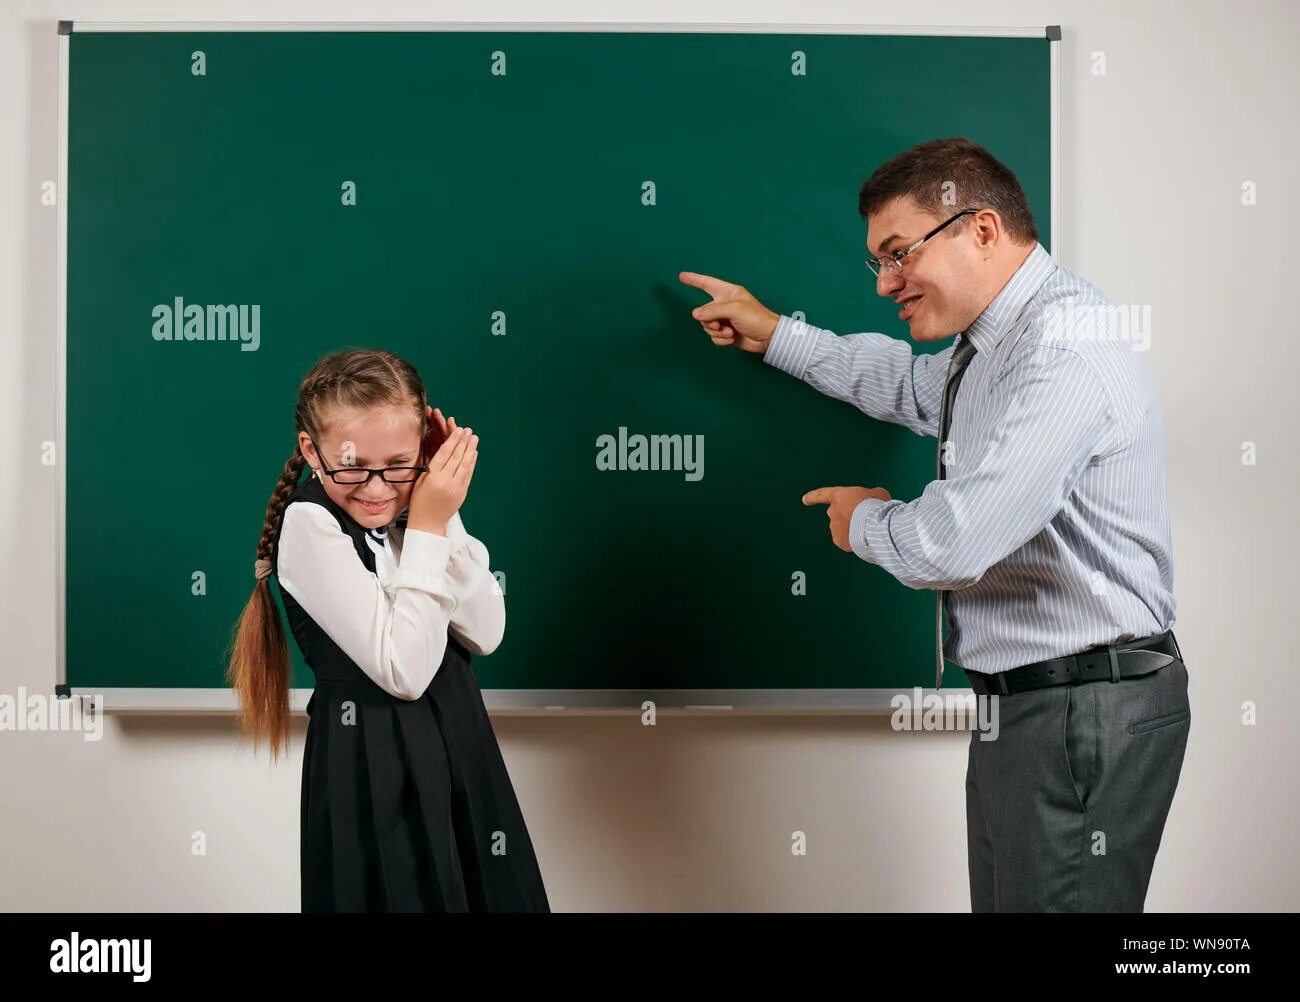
(258, 667)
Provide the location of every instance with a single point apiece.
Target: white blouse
(392, 623)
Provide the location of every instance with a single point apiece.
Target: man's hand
(841, 502)
(734, 316)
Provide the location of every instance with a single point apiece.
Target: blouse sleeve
(398, 641)
(479, 619)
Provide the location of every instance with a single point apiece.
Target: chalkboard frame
(221, 701)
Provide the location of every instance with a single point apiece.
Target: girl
(406, 802)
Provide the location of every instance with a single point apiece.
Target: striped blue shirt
(1051, 530)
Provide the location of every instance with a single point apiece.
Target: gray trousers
(1065, 809)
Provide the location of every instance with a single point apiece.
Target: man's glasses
(892, 263)
(353, 475)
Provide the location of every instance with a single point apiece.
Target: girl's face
(375, 437)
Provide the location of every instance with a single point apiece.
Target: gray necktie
(961, 357)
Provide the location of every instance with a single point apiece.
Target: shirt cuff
(865, 518)
(792, 344)
(424, 562)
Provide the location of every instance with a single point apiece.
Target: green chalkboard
(501, 240)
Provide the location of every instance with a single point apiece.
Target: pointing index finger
(715, 287)
(822, 495)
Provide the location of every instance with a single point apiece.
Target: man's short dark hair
(946, 176)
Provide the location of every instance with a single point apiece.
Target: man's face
(939, 288)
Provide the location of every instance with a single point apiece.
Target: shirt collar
(996, 320)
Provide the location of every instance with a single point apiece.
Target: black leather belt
(1104, 663)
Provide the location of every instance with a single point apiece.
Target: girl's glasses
(353, 475)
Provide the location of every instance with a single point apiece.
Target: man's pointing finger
(715, 287)
(822, 495)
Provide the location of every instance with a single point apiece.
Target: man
(1046, 534)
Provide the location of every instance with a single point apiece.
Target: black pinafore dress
(406, 804)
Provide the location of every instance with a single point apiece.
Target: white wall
(697, 813)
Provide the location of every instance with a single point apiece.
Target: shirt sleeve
(398, 641)
(875, 373)
(1055, 419)
(479, 619)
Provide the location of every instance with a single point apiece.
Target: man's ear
(988, 228)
